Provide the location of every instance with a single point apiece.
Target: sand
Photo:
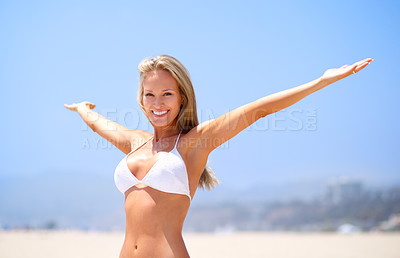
(76, 244)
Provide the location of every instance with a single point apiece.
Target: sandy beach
(78, 244)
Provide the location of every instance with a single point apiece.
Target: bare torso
(154, 219)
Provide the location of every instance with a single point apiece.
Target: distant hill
(87, 201)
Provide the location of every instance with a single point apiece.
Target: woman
(162, 170)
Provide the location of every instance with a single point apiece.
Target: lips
(160, 113)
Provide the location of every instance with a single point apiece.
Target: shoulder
(197, 138)
(138, 137)
(193, 141)
(193, 152)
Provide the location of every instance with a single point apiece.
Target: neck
(165, 132)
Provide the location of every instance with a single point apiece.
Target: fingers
(71, 107)
(74, 106)
(366, 60)
(358, 66)
(68, 106)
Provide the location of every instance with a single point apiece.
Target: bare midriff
(154, 222)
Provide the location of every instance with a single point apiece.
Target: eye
(148, 95)
(167, 94)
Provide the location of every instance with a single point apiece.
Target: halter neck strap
(178, 138)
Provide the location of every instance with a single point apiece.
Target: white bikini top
(168, 174)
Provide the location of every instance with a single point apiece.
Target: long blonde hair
(187, 117)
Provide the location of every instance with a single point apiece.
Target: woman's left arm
(213, 133)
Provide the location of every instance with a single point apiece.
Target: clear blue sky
(56, 52)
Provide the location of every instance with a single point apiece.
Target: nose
(158, 102)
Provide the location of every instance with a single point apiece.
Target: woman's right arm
(121, 137)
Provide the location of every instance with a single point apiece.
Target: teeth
(160, 113)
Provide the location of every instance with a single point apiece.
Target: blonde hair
(187, 117)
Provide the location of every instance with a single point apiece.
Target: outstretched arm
(121, 137)
(210, 134)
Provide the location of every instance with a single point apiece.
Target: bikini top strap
(140, 146)
(176, 143)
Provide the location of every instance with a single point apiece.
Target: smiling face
(161, 98)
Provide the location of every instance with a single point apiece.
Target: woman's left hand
(335, 74)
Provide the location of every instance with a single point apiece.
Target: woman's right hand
(75, 106)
